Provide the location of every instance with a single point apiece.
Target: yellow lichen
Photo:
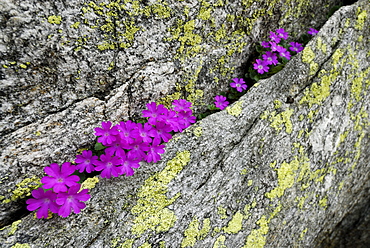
(151, 212)
(24, 189)
(54, 19)
(236, 109)
(192, 233)
(235, 224)
(277, 104)
(257, 238)
(89, 183)
(198, 131)
(18, 245)
(145, 245)
(278, 120)
(75, 25)
(222, 212)
(220, 242)
(14, 227)
(361, 17)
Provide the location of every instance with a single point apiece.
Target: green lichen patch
(192, 233)
(150, 211)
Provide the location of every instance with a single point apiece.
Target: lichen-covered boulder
(284, 166)
(65, 67)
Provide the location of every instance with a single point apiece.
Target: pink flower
(72, 200)
(107, 134)
(44, 201)
(239, 84)
(143, 132)
(85, 161)
(221, 102)
(60, 177)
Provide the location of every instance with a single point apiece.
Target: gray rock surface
(65, 67)
(264, 172)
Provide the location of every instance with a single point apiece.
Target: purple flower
(284, 53)
(265, 44)
(129, 162)
(128, 131)
(312, 31)
(108, 165)
(186, 119)
(161, 131)
(143, 132)
(155, 113)
(270, 58)
(60, 177)
(117, 147)
(45, 201)
(173, 120)
(274, 38)
(295, 47)
(221, 102)
(239, 84)
(181, 105)
(261, 66)
(85, 161)
(72, 200)
(107, 134)
(275, 47)
(138, 150)
(153, 154)
(282, 34)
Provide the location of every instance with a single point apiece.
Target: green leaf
(99, 146)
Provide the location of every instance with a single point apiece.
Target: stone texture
(266, 171)
(115, 57)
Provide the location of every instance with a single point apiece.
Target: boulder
(284, 166)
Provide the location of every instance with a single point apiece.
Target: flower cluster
(126, 145)
(238, 84)
(65, 193)
(278, 48)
